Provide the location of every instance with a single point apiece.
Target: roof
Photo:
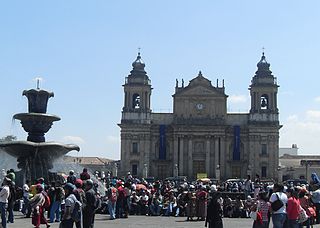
(87, 160)
(295, 160)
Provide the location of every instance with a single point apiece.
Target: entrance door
(236, 171)
(198, 167)
(162, 171)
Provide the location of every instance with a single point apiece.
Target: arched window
(136, 101)
(264, 102)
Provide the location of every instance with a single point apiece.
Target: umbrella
(205, 180)
(141, 186)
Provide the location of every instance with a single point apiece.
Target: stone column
(223, 165)
(190, 160)
(216, 155)
(208, 160)
(181, 156)
(147, 141)
(175, 153)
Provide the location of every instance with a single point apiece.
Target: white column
(216, 155)
(190, 161)
(175, 153)
(223, 160)
(181, 157)
(208, 161)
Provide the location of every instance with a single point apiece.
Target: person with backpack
(278, 201)
(11, 201)
(112, 195)
(38, 203)
(89, 208)
(81, 196)
(57, 195)
(72, 212)
(4, 195)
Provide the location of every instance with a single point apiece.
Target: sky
(83, 50)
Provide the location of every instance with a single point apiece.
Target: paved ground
(143, 222)
(140, 222)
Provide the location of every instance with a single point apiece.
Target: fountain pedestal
(35, 156)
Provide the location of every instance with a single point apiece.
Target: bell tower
(263, 92)
(137, 93)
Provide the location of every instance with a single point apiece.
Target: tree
(8, 138)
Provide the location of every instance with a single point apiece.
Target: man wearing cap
(4, 195)
(70, 202)
(71, 178)
(315, 198)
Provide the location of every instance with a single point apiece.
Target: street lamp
(176, 170)
(145, 170)
(115, 169)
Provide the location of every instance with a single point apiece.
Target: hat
(213, 188)
(69, 187)
(78, 183)
(89, 182)
(39, 187)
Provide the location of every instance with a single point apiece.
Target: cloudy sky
(83, 51)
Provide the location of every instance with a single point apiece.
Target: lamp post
(145, 170)
(115, 169)
(218, 172)
(176, 170)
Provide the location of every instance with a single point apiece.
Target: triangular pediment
(199, 90)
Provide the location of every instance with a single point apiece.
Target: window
(136, 101)
(135, 147)
(263, 171)
(264, 149)
(264, 102)
(134, 170)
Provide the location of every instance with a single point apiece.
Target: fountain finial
(38, 79)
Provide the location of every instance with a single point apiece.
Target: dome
(263, 64)
(138, 63)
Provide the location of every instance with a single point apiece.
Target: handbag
(302, 217)
(253, 215)
(276, 205)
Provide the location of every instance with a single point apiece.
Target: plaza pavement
(144, 222)
(102, 221)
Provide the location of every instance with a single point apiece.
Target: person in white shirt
(26, 193)
(279, 216)
(4, 195)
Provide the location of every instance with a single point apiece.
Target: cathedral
(199, 137)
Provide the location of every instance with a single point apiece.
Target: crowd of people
(76, 202)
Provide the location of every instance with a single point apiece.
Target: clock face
(199, 106)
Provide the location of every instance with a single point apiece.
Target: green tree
(8, 138)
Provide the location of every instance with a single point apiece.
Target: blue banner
(236, 143)
(162, 142)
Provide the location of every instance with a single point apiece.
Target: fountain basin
(36, 124)
(36, 159)
(50, 150)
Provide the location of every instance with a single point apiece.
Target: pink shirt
(293, 208)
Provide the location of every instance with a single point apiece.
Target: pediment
(200, 90)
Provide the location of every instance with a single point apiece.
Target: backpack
(47, 201)
(112, 194)
(76, 213)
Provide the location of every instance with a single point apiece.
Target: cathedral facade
(199, 136)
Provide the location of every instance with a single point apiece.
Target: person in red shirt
(293, 208)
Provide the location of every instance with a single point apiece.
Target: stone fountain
(35, 156)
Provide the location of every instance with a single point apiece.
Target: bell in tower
(263, 90)
(137, 91)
